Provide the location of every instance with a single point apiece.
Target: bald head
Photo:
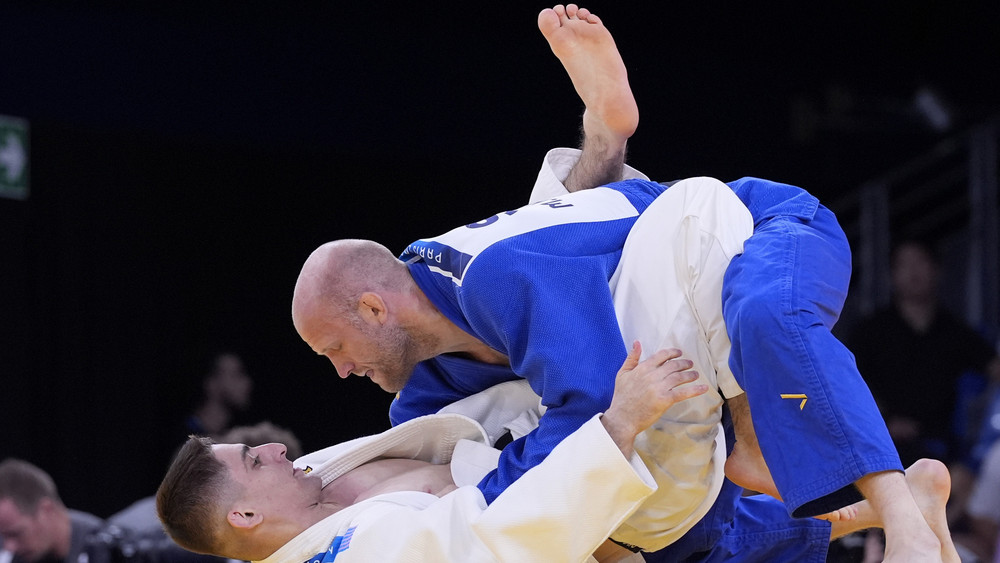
(356, 304)
(337, 273)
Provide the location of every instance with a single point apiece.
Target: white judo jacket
(560, 510)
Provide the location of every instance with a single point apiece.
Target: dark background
(186, 158)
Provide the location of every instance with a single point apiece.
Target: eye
(256, 462)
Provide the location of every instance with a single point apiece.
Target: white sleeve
(555, 169)
(510, 405)
(560, 510)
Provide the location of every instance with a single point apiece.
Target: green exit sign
(13, 157)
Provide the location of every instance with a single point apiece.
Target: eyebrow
(335, 346)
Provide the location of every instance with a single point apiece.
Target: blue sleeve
(440, 381)
(427, 391)
(557, 323)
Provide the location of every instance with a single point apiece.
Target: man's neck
(441, 336)
(487, 355)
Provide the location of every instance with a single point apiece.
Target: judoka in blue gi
(532, 294)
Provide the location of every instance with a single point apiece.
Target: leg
(758, 528)
(745, 466)
(781, 299)
(904, 519)
(588, 53)
(928, 484)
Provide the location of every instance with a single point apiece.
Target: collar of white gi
(430, 438)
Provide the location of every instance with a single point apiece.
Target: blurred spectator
(913, 355)
(226, 391)
(35, 525)
(921, 362)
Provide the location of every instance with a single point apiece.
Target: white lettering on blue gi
(452, 253)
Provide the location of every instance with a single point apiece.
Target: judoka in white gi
(400, 496)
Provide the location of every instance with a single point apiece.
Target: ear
(244, 519)
(372, 308)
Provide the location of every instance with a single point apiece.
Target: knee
(755, 313)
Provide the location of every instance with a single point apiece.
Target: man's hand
(644, 391)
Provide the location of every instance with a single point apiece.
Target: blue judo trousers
(816, 421)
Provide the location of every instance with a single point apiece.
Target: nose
(273, 451)
(343, 367)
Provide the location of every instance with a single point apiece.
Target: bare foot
(908, 536)
(589, 54)
(930, 484)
